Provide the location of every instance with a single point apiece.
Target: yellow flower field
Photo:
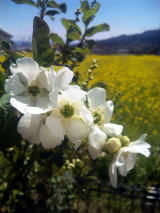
(133, 82)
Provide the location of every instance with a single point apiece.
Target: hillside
(144, 43)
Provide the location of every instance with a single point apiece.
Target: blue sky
(123, 16)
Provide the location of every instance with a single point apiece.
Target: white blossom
(70, 118)
(125, 159)
(102, 111)
(73, 114)
(96, 141)
(34, 89)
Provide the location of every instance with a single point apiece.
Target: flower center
(67, 110)
(96, 118)
(33, 90)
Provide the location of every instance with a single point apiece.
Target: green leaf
(9, 136)
(42, 51)
(6, 45)
(90, 43)
(62, 7)
(52, 12)
(2, 80)
(8, 123)
(67, 23)
(88, 14)
(4, 101)
(73, 30)
(29, 2)
(73, 34)
(85, 6)
(56, 39)
(96, 29)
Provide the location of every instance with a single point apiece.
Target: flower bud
(113, 145)
(125, 141)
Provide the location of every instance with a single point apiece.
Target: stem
(43, 9)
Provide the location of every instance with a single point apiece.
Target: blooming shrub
(67, 110)
(55, 132)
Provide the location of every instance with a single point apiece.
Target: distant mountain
(144, 43)
(22, 45)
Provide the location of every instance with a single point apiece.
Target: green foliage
(10, 57)
(73, 30)
(56, 39)
(42, 51)
(43, 5)
(29, 2)
(8, 124)
(89, 12)
(51, 12)
(62, 7)
(34, 179)
(99, 28)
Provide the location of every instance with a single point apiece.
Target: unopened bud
(84, 83)
(113, 145)
(94, 61)
(125, 140)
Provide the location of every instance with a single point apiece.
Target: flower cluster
(53, 108)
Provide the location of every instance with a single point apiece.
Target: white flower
(125, 159)
(60, 80)
(43, 129)
(73, 114)
(102, 112)
(96, 141)
(70, 118)
(29, 126)
(32, 87)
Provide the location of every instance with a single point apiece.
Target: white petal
(97, 139)
(74, 94)
(94, 153)
(86, 115)
(42, 102)
(46, 137)
(55, 126)
(25, 105)
(21, 103)
(54, 98)
(113, 174)
(14, 69)
(63, 78)
(108, 108)
(76, 130)
(43, 80)
(122, 170)
(51, 77)
(113, 130)
(96, 97)
(130, 161)
(28, 67)
(28, 127)
(139, 146)
(51, 133)
(13, 86)
(119, 158)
